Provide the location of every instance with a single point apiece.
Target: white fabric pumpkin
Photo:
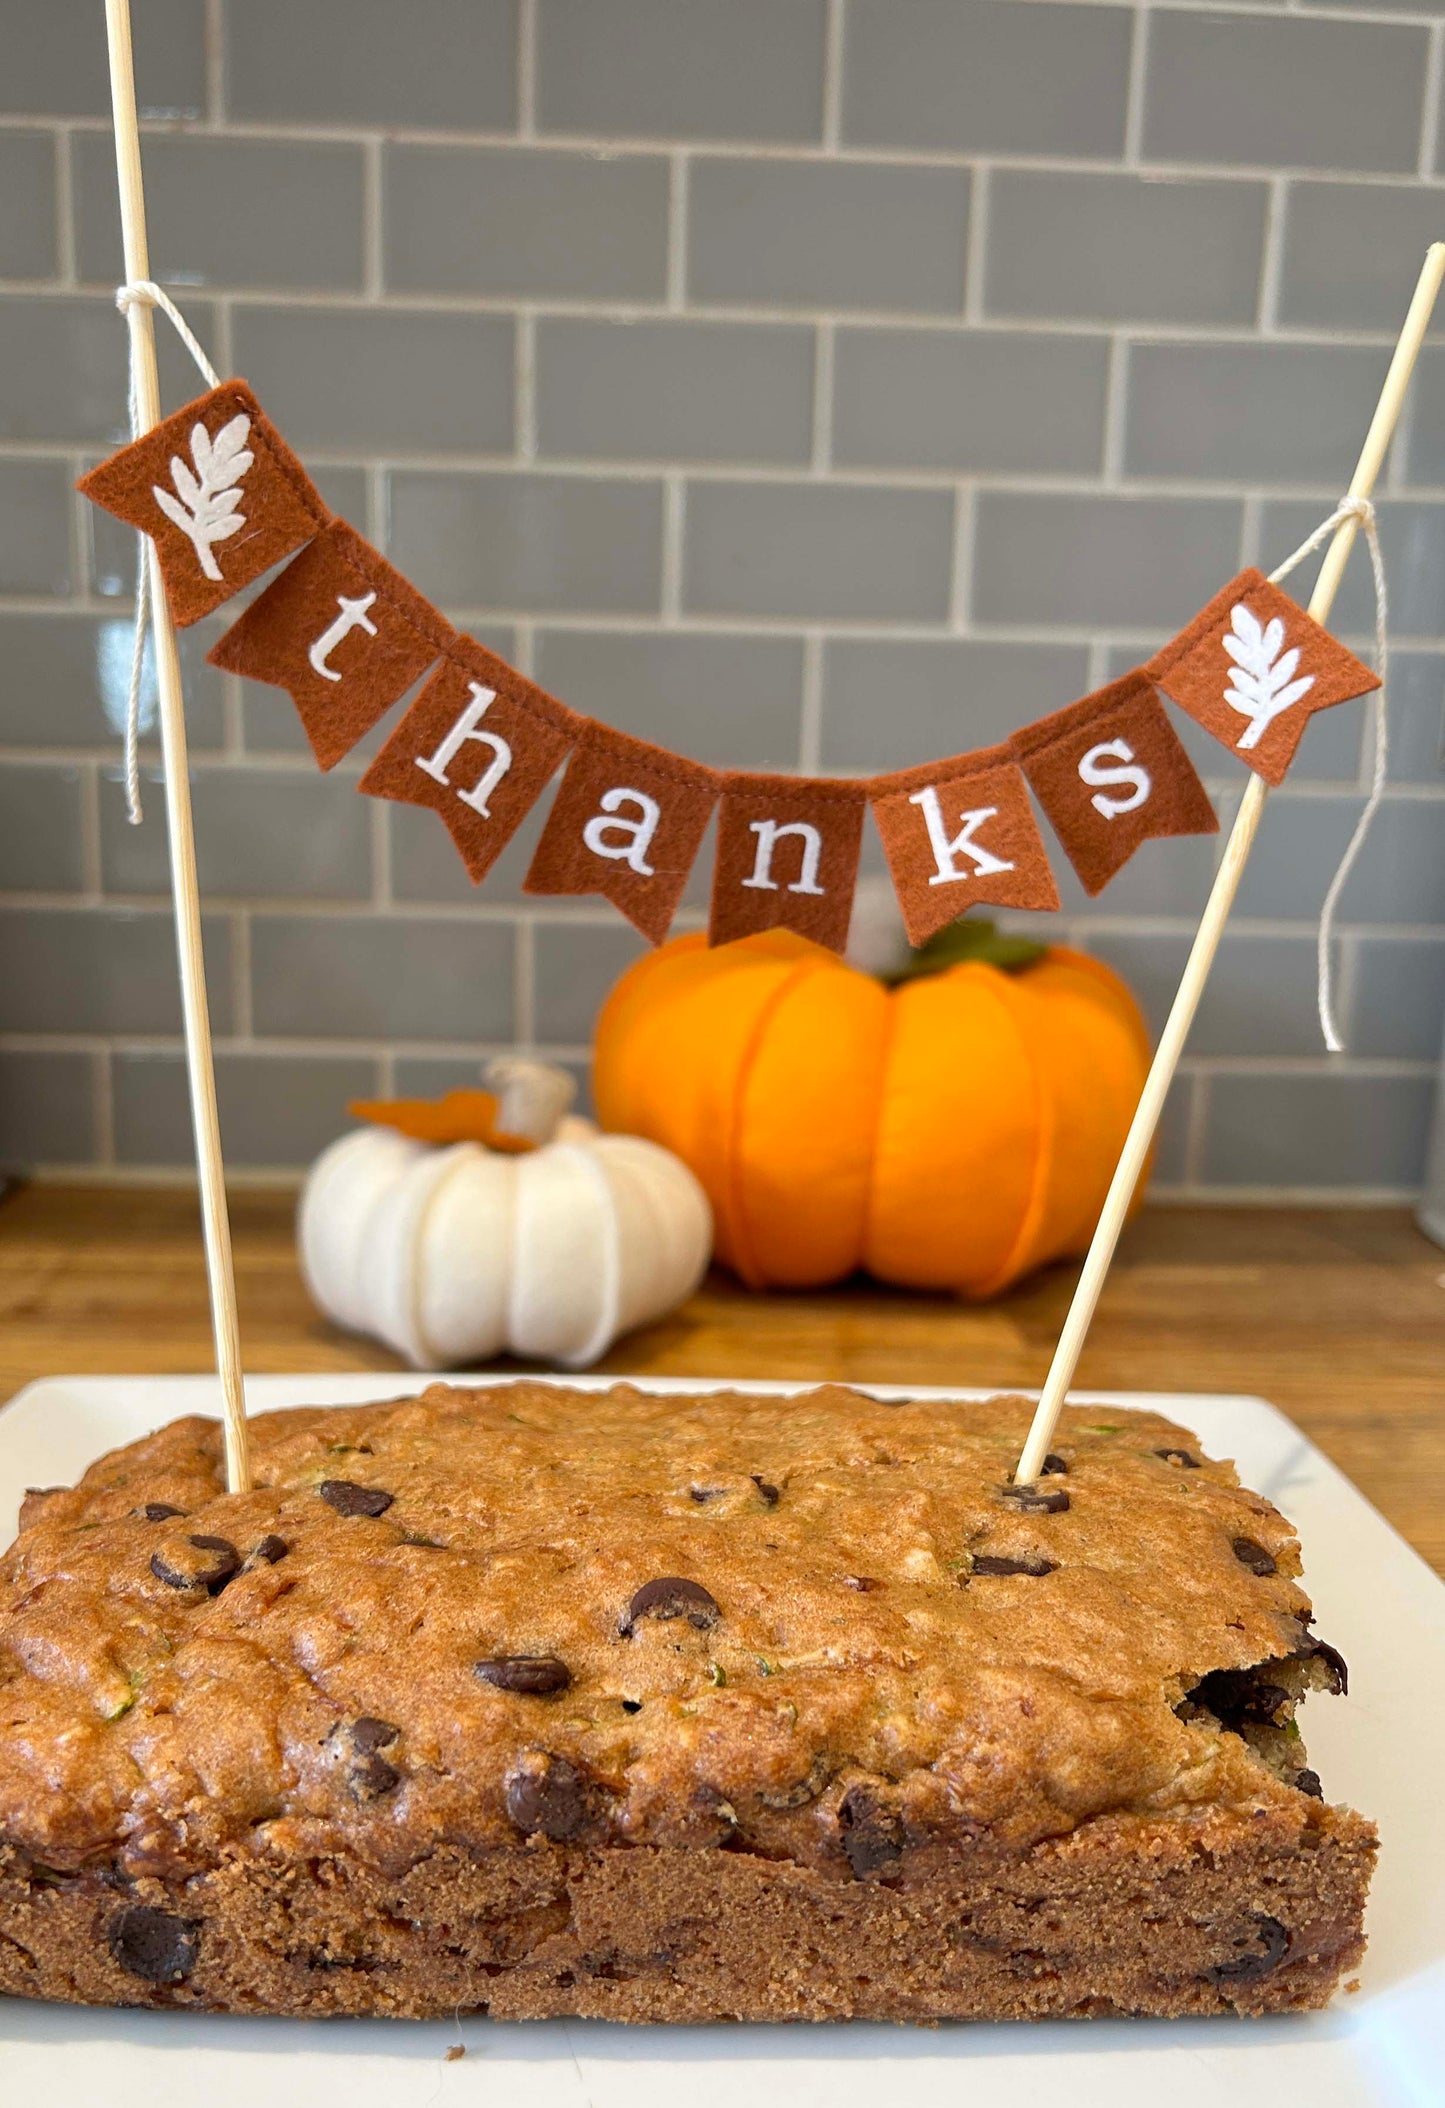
(451, 1255)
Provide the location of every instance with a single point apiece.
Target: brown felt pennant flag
(218, 491)
(787, 853)
(627, 823)
(1253, 668)
(1110, 771)
(343, 633)
(479, 746)
(958, 834)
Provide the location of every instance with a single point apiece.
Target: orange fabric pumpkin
(953, 1132)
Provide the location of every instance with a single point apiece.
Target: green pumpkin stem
(969, 942)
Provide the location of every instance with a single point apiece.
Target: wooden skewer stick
(1140, 1137)
(200, 1070)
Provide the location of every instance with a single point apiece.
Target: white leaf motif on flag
(1263, 682)
(204, 507)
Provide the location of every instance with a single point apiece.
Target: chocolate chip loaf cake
(538, 1702)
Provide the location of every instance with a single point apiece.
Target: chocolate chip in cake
(368, 1733)
(271, 1550)
(632, 1705)
(160, 1511)
(1334, 1661)
(703, 1494)
(1309, 1782)
(771, 1495)
(1053, 1466)
(1254, 1556)
(154, 1944)
(871, 1832)
(537, 1675)
(1248, 1968)
(371, 1777)
(179, 1567)
(347, 1498)
(546, 1795)
(1181, 1457)
(1035, 1500)
(671, 1596)
(996, 1563)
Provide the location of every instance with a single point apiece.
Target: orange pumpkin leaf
(461, 1116)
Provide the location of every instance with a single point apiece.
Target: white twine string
(1362, 510)
(144, 292)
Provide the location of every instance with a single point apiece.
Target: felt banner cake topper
(479, 746)
(1110, 771)
(627, 822)
(346, 635)
(1253, 668)
(787, 854)
(219, 492)
(959, 834)
(342, 632)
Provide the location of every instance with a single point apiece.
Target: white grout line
(1430, 109)
(102, 1105)
(373, 230)
(674, 528)
(833, 35)
(976, 245)
(1138, 86)
(678, 187)
(524, 386)
(1271, 262)
(65, 265)
(824, 357)
(526, 72)
(215, 35)
(243, 1023)
(524, 983)
(810, 718)
(960, 569)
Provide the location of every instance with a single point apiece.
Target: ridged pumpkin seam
(743, 1253)
(892, 997)
(1042, 1166)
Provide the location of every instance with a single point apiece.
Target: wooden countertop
(1336, 1315)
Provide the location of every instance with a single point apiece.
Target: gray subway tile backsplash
(538, 542)
(750, 70)
(394, 380)
(290, 211)
(445, 63)
(102, 970)
(1283, 91)
(731, 701)
(986, 77)
(1113, 247)
(276, 1110)
(360, 977)
(834, 234)
(801, 384)
(1055, 559)
(55, 62)
(1250, 413)
(36, 509)
(47, 1109)
(28, 247)
(993, 402)
(524, 222)
(817, 550)
(660, 391)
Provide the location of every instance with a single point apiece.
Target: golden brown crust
(819, 1634)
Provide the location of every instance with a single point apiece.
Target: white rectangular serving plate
(1378, 1749)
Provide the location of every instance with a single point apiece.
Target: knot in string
(144, 292)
